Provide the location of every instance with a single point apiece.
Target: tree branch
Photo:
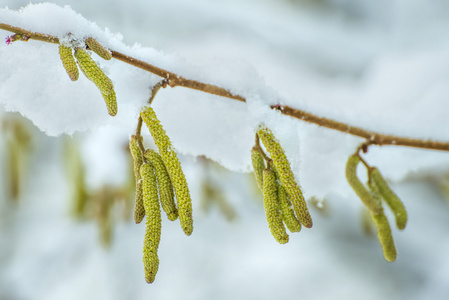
(373, 138)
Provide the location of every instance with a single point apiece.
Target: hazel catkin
(153, 222)
(111, 103)
(392, 200)
(68, 61)
(96, 47)
(286, 176)
(384, 235)
(99, 78)
(173, 166)
(382, 225)
(139, 210)
(288, 214)
(359, 188)
(93, 71)
(258, 163)
(165, 186)
(271, 206)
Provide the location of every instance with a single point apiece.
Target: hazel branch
(173, 80)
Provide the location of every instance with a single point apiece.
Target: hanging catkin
(93, 71)
(174, 169)
(382, 225)
(392, 200)
(359, 188)
(111, 103)
(384, 235)
(153, 223)
(139, 210)
(68, 61)
(164, 183)
(258, 163)
(96, 47)
(286, 176)
(288, 215)
(97, 76)
(271, 205)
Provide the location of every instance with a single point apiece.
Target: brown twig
(161, 84)
(32, 35)
(175, 80)
(373, 138)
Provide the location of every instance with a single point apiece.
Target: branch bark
(371, 137)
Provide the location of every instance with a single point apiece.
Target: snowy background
(382, 65)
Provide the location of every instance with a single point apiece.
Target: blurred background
(66, 230)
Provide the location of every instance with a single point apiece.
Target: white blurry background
(378, 58)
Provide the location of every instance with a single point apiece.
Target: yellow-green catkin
(68, 61)
(153, 223)
(164, 183)
(384, 236)
(286, 176)
(359, 188)
(288, 214)
(93, 71)
(392, 200)
(111, 103)
(382, 225)
(271, 206)
(139, 210)
(96, 47)
(174, 169)
(258, 165)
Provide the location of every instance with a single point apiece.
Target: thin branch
(32, 35)
(373, 138)
(175, 80)
(363, 161)
(161, 84)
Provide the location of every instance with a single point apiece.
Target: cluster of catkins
(372, 194)
(282, 196)
(90, 69)
(159, 178)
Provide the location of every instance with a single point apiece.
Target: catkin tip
(385, 237)
(111, 103)
(188, 231)
(151, 266)
(173, 216)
